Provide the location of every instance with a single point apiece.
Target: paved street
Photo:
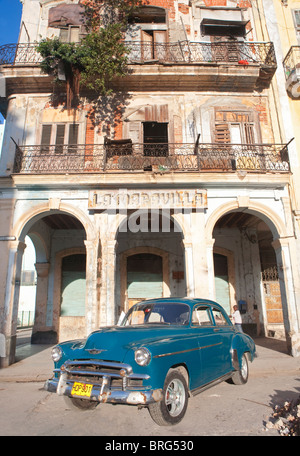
(224, 410)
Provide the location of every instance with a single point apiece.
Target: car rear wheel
(171, 409)
(240, 377)
(80, 404)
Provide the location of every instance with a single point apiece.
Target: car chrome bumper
(102, 393)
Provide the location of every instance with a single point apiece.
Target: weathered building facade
(181, 183)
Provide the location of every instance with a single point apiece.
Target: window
(151, 33)
(296, 14)
(234, 127)
(155, 138)
(70, 34)
(148, 15)
(201, 316)
(227, 22)
(219, 318)
(216, 27)
(60, 135)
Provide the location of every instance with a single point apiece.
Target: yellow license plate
(81, 389)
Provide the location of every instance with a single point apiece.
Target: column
(110, 286)
(189, 267)
(92, 308)
(289, 305)
(40, 329)
(11, 301)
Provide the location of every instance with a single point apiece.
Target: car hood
(112, 343)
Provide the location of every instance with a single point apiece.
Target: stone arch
(41, 250)
(29, 218)
(26, 224)
(273, 221)
(267, 298)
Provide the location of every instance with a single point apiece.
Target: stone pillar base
(44, 337)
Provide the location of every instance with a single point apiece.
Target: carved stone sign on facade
(148, 199)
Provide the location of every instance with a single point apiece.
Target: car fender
(241, 343)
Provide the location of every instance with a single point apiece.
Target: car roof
(189, 301)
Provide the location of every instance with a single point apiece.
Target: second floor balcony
(224, 65)
(291, 64)
(126, 157)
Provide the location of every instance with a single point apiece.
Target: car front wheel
(75, 403)
(171, 409)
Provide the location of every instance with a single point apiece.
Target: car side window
(219, 317)
(201, 316)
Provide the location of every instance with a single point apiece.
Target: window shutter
(46, 135)
(73, 134)
(249, 133)
(64, 35)
(222, 133)
(60, 138)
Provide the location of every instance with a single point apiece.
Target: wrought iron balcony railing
(291, 61)
(161, 158)
(186, 52)
(181, 52)
(19, 54)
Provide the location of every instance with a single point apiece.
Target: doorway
(73, 283)
(155, 139)
(222, 281)
(144, 277)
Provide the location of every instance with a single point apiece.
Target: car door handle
(217, 329)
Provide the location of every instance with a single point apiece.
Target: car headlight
(142, 356)
(56, 353)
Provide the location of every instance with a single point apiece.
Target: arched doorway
(149, 259)
(58, 283)
(257, 292)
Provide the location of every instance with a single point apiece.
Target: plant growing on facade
(99, 57)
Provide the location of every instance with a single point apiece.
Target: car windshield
(157, 313)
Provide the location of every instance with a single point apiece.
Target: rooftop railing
(160, 158)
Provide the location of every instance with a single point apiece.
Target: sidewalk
(34, 363)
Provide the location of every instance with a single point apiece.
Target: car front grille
(117, 375)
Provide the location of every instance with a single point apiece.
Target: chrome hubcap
(175, 397)
(244, 369)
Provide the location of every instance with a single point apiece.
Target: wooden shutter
(46, 136)
(73, 134)
(160, 39)
(222, 133)
(249, 133)
(60, 138)
(147, 46)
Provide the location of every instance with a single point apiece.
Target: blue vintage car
(164, 351)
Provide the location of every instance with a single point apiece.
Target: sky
(10, 17)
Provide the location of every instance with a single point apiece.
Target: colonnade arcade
(93, 265)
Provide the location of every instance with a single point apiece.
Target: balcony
(227, 65)
(291, 64)
(156, 158)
